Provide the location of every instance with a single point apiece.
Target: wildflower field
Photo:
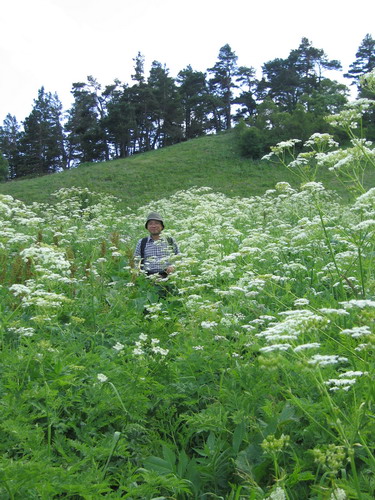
(252, 378)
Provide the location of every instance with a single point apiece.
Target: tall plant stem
(326, 236)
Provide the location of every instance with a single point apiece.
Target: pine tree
(287, 80)
(364, 63)
(10, 137)
(84, 128)
(139, 69)
(246, 100)
(164, 106)
(4, 168)
(140, 101)
(120, 120)
(221, 85)
(193, 93)
(42, 143)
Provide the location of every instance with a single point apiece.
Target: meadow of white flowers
(267, 331)
(250, 376)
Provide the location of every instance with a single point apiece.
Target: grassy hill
(212, 161)
(248, 374)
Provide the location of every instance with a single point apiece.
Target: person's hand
(170, 269)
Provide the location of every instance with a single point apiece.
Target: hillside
(248, 373)
(207, 161)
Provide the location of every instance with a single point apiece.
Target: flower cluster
(146, 346)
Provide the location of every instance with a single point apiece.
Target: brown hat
(154, 216)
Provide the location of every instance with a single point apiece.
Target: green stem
(325, 429)
(116, 438)
(361, 272)
(119, 397)
(326, 236)
(355, 475)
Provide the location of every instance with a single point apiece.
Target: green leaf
(238, 435)
(158, 464)
(183, 461)
(169, 455)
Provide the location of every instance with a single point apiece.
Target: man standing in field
(153, 253)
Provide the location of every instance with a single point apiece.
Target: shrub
(251, 140)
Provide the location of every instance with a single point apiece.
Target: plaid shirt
(157, 254)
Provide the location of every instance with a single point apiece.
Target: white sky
(53, 43)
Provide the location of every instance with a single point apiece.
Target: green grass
(248, 374)
(212, 161)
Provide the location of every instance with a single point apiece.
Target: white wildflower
(313, 187)
(357, 331)
(338, 494)
(339, 312)
(118, 346)
(301, 302)
(102, 378)
(360, 303)
(174, 334)
(275, 347)
(138, 351)
(343, 383)
(319, 139)
(366, 225)
(159, 350)
(278, 494)
(302, 347)
(356, 373)
(362, 347)
(23, 330)
(326, 360)
(208, 324)
(284, 145)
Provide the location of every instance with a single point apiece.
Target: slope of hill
(207, 161)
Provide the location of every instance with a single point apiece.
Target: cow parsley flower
(326, 360)
(301, 302)
(278, 494)
(275, 347)
(338, 494)
(102, 378)
(302, 347)
(24, 331)
(118, 346)
(362, 347)
(208, 324)
(138, 351)
(360, 303)
(357, 331)
(337, 384)
(159, 350)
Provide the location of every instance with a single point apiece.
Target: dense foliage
(119, 119)
(248, 374)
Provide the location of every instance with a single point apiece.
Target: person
(153, 253)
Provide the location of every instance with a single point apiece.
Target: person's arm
(175, 247)
(137, 255)
(137, 251)
(176, 251)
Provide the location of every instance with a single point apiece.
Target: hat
(154, 216)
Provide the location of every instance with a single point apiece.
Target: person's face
(154, 227)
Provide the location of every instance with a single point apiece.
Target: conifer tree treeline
(157, 110)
